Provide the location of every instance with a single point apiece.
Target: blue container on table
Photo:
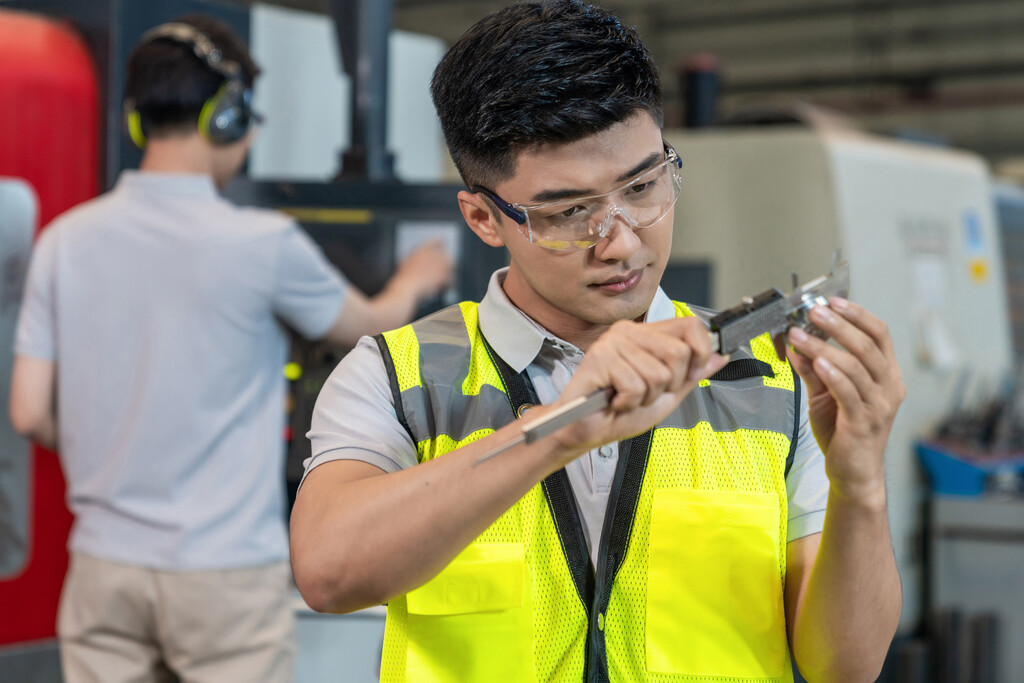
(956, 473)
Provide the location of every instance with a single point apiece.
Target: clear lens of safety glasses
(581, 223)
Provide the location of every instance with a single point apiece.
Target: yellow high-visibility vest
(689, 585)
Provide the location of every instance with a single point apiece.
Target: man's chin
(607, 310)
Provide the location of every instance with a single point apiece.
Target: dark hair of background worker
(168, 91)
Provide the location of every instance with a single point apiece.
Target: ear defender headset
(227, 115)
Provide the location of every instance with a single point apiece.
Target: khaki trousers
(123, 624)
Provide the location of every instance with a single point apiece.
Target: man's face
(570, 292)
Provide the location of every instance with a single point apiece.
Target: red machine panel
(49, 99)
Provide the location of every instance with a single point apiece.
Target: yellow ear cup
(135, 129)
(206, 113)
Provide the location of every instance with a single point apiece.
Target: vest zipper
(559, 496)
(615, 536)
(593, 587)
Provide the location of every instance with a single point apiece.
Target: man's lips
(620, 283)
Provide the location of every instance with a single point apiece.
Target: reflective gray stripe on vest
(444, 346)
(728, 406)
(439, 406)
(464, 415)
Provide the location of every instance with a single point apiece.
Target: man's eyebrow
(555, 195)
(647, 163)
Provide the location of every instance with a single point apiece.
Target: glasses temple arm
(503, 206)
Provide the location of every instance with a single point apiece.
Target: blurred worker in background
(687, 532)
(150, 351)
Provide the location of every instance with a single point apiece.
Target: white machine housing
(916, 224)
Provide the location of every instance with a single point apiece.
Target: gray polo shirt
(355, 419)
(164, 309)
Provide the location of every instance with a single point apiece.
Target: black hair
(168, 84)
(553, 71)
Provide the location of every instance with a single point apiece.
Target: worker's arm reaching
(389, 533)
(424, 273)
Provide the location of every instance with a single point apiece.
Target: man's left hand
(854, 390)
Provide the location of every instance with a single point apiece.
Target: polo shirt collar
(178, 184)
(661, 308)
(518, 339)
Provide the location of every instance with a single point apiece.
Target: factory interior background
(892, 130)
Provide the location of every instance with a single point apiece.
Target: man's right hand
(651, 367)
(427, 270)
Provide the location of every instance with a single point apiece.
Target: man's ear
(480, 218)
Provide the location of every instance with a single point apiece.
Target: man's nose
(619, 241)
(612, 213)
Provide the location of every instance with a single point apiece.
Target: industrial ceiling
(949, 70)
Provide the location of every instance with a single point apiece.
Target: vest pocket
(714, 594)
(472, 622)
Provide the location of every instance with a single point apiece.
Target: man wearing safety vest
(720, 515)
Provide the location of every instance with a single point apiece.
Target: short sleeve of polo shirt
(806, 483)
(36, 334)
(308, 291)
(354, 417)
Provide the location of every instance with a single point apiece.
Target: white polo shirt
(164, 308)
